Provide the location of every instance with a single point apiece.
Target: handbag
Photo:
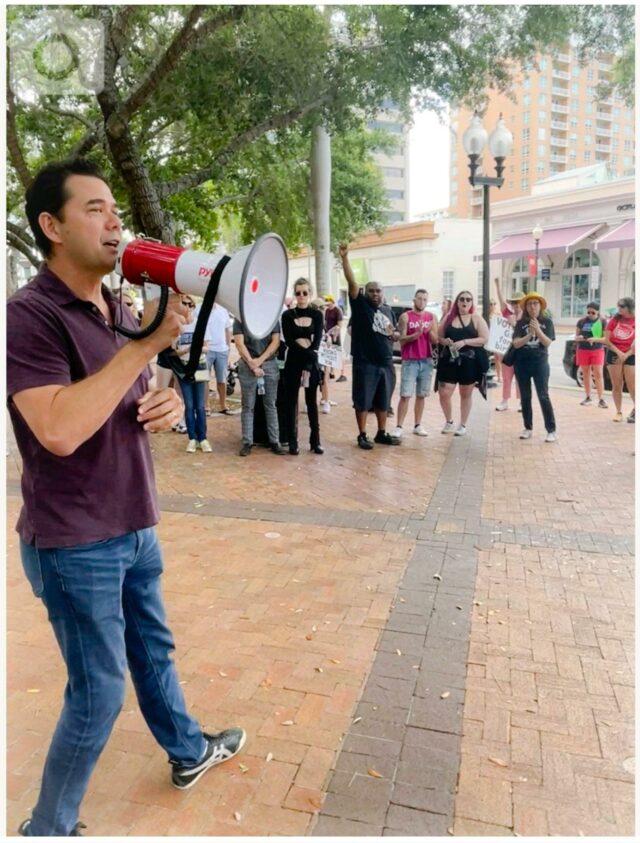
(509, 357)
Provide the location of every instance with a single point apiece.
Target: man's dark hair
(47, 193)
(421, 290)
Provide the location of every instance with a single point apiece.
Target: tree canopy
(204, 122)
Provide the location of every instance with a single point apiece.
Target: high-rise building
(558, 124)
(394, 167)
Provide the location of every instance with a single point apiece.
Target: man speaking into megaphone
(81, 411)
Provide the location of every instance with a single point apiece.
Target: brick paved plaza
(426, 640)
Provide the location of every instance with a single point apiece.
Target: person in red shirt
(620, 340)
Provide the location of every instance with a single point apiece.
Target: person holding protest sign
(302, 328)
(511, 311)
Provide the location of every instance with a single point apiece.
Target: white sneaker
(204, 446)
(325, 407)
(551, 437)
(526, 434)
(419, 430)
(461, 431)
(397, 432)
(191, 446)
(449, 427)
(502, 406)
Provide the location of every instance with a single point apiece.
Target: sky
(429, 151)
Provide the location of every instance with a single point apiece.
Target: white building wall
(420, 263)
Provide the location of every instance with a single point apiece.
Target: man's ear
(50, 225)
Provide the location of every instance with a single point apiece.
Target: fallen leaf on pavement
(287, 723)
(237, 817)
(445, 694)
(499, 762)
(374, 773)
(269, 757)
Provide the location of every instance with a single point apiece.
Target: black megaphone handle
(151, 327)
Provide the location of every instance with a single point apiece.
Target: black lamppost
(537, 235)
(500, 143)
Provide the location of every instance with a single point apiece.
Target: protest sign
(500, 333)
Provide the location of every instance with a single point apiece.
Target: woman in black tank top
(462, 334)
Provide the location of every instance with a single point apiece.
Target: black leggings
(292, 374)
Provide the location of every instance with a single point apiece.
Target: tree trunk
(321, 196)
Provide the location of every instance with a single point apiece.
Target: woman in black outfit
(462, 335)
(532, 336)
(302, 328)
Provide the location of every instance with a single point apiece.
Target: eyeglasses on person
(304, 293)
(465, 299)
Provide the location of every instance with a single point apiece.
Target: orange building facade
(558, 124)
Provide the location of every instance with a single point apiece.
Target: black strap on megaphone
(186, 371)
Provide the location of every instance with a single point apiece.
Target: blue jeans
(195, 411)
(105, 606)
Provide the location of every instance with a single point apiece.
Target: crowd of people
(82, 408)
(443, 356)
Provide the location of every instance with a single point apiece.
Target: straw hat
(533, 297)
(515, 298)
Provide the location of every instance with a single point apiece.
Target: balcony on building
(556, 141)
(562, 58)
(557, 158)
(476, 200)
(605, 133)
(559, 125)
(560, 92)
(603, 147)
(604, 115)
(560, 74)
(560, 109)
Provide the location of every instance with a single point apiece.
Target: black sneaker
(364, 442)
(24, 825)
(245, 450)
(631, 418)
(384, 438)
(220, 748)
(277, 448)
(341, 379)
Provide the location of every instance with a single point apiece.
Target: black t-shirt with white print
(534, 348)
(370, 326)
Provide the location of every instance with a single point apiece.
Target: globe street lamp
(500, 143)
(537, 234)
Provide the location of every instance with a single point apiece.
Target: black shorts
(371, 386)
(612, 359)
(463, 371)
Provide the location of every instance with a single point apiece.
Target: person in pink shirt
(418, 331)
(620, 340)
(511, 311)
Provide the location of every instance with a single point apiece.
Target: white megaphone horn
(252, 285)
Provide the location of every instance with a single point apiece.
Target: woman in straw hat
(532, 336)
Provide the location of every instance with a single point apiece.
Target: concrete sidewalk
(423, 640)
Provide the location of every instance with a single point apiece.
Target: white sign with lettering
(330, 355)
(500, 333)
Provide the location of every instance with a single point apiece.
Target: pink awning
(552, 240)
(618, 238)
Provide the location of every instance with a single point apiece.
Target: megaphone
(252, 284)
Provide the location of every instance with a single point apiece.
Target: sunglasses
(592, 312)
(189, 304)
(465, 300)
(621, 305)
(304, 293)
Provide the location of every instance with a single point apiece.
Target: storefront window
(579, 284)
(520, 278)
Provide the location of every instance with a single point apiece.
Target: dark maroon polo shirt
(107, 487)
